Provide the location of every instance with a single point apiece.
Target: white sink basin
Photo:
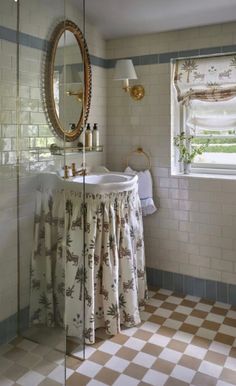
(106, 182)
(94, 183)
(102, 178)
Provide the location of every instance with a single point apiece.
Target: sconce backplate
(137, 92)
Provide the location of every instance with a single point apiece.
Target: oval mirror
(67, 81)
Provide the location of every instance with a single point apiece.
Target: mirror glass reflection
(68, 81)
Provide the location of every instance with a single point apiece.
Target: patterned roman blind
(205, 78)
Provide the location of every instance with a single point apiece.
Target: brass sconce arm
(77, 94)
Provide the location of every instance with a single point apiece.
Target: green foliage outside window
(187, 153)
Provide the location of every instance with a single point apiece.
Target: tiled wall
(36, 22)
(193, 232)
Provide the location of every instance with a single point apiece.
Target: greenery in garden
(187, 153)
(222, 145)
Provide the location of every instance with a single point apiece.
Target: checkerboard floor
(183, 340)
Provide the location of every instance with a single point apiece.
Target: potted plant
(187, 153)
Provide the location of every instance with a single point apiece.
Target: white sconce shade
(124, 70)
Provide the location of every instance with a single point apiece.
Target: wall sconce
(124, 70)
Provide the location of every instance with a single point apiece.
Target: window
(204, 106)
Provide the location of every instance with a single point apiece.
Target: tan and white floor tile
(183, 340)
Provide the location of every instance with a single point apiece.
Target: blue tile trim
(211, 290)
(8, 327)
(190, 285)
(168, 281)
(99, 62)
(199, 287)
(232, 294)
(222, 292)
(165, 57)
(178, 282)
(210, 51)
(183, 54)
(25, 40)
(231, 48)
(154, 277)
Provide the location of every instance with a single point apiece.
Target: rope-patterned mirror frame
(53, 118)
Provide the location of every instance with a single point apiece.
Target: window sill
(215, 176)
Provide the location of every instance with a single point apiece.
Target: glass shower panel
(42, 275)
(8, 175)
(75, 155)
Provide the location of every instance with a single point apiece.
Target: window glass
(214, 122)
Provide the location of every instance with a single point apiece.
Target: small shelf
(60, 151)
(71, 149)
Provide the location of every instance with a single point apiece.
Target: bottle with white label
(88, 138)
(95, 136)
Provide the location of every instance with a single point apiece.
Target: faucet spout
(80, 172)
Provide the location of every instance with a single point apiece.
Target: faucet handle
(66, 171)
(73, 169)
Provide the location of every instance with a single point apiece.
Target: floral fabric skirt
(88, 262)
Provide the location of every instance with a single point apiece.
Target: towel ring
(140, 151)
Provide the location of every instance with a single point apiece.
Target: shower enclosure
(26, 136)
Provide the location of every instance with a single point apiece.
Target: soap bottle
(95, 136)
(88, 137)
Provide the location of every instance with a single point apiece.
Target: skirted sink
(94, 183)
(90, 248)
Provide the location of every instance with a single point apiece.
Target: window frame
(195, 168)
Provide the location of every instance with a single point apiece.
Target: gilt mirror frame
(66, 25)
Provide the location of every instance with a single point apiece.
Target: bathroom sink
(105, 182)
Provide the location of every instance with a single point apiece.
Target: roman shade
(205, 78)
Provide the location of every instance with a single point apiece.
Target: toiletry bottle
(88, 137)
(95, 135)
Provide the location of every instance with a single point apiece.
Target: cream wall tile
(37, 19)
(197, 213)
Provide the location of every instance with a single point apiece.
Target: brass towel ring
(140, 151)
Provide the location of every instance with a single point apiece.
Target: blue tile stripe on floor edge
(190, 285)
(187, 285)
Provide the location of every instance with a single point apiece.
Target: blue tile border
(9, 328)
(190, 285)
(24, 39)
(157, 58)
(166, 57)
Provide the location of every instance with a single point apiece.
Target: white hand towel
(144, 190)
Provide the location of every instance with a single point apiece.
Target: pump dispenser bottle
(88, 137)
(95, 136)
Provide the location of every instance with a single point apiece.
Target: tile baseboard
(9, 327)
(189, 285)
